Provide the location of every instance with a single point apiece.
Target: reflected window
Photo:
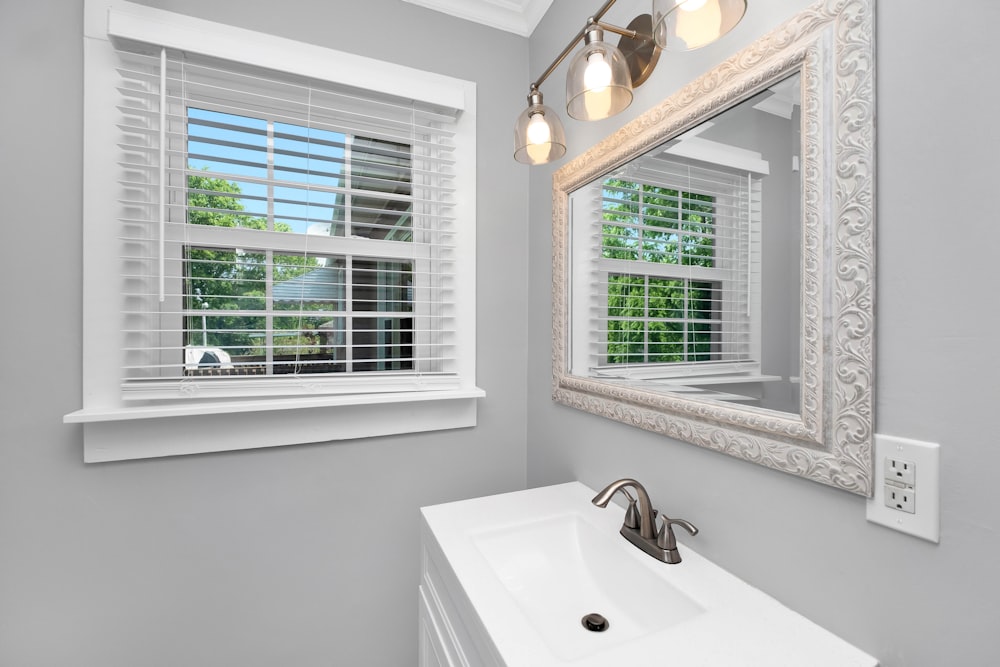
(672, 275)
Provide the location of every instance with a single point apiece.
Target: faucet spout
(647, 514)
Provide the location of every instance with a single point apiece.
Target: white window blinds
(674, 271)
(281, 235)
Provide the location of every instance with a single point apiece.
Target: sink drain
(595, 622)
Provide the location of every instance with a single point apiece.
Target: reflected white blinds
(675, 270)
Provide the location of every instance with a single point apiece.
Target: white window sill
(124, 433)
(717, 379)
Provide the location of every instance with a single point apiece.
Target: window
(669, 256)
(314, 314)
(304, 233)
(281, 240)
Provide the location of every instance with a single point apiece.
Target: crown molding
(516, 16)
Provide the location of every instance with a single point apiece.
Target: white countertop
(725, 622)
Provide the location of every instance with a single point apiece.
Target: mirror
(713, 260)
(685, 248)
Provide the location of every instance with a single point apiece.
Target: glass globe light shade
(684, 25)
(539, 136)
(598, 84)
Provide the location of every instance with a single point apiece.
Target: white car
(202, 356)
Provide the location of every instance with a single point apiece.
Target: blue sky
(303, 157)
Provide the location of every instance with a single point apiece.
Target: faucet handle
(665, 537)
(632, 514)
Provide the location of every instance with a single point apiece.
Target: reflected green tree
(652, 319)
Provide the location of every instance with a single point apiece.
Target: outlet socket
(906, 495)
(899, 498)
(900, 471)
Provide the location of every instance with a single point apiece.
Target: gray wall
(308, 555)
(906, 601)
(297, 556)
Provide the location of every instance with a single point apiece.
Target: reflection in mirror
(691, 255)
(713, 260)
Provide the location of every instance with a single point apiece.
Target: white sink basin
(526, 567)
(562, 568)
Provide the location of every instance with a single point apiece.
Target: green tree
(228, 279)
(207, 207)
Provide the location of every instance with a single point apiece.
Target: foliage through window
(665, 271)
(659, 319)
(277, 313)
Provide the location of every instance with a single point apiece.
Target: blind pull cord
(749, 241)
(163, 175)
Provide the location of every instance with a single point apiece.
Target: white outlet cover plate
(925, 522)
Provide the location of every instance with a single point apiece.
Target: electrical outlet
(906, 494)
(900, 471)
(901, 499)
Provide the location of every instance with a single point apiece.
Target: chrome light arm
(638, 44)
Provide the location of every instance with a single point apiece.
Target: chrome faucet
(639, 526)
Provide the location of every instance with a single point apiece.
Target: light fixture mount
(640, 50)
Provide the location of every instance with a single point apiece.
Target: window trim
(114, 430)
(218, 40)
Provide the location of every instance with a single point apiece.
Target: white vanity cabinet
(451, 634)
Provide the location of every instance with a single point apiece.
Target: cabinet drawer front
(434, 645)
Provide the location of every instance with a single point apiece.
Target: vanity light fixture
(601, 76)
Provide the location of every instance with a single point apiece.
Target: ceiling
(517, 16)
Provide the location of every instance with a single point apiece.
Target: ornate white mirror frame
(830, 440)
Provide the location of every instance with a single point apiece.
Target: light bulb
(597, 76)
(539, 154)
(703, 27)
(538, 130)
(598, 104)
(692, 5)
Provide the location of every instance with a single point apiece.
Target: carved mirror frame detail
(832, 45)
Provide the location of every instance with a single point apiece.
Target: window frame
(116, 429)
